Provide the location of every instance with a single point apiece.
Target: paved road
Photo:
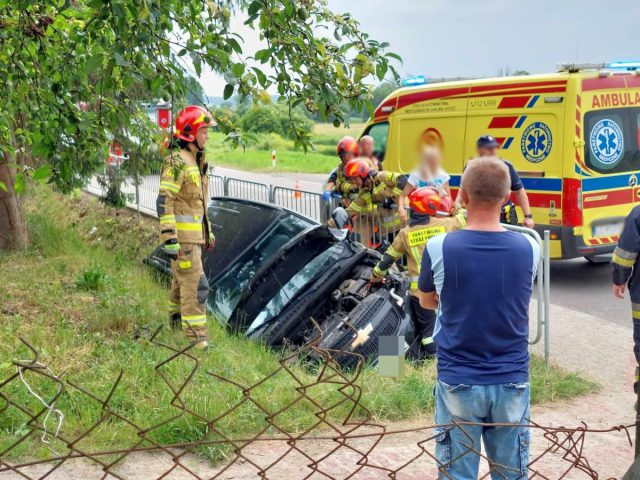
(585, 287)
(311, 182)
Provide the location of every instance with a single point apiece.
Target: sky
(479, 38)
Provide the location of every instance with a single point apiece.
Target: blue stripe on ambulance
(606, 183)
(533, 101)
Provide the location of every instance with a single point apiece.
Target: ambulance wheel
(598, 259)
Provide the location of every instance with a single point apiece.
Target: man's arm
(427, 294)
(522, 199)
(626, 253)
(428, 300)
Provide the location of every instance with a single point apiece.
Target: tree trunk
(13, 226)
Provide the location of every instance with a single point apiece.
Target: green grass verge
(257, 157)
(79, 294)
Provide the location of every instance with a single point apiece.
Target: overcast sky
(469, 38)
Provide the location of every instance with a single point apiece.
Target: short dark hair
(486, 180)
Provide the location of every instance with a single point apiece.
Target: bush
(275, 119)
(271, 141)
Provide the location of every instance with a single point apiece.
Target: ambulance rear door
(611, 157)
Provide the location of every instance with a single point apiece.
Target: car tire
(598, 259)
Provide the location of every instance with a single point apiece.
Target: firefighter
(372, 207)
(347, 149)
(367, 147)
(425, 204)
(184, 224)
(626, 271)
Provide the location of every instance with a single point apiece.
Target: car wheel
(598, 259)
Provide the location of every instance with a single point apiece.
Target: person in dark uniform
(487, 146)
(626, 271)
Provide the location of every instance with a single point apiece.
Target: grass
(258, 157)
(81, 296)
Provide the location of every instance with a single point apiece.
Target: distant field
(258, 158)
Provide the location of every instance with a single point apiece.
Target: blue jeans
(507, 448)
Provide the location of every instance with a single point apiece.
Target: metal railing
(543, 286)
(143, 191)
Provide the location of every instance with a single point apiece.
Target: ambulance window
(611, 140)
(379, 132)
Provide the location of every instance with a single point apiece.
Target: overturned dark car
(274, 272)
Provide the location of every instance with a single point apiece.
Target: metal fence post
(547, 292)
(137, 180)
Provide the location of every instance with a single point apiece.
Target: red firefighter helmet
(358, 167)
(348, 145)
(189, 120)
(425, 201)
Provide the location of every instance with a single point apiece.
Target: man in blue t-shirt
(480, 280)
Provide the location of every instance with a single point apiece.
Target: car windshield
(226, 290)
(299, 281)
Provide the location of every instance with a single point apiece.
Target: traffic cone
(296, 190)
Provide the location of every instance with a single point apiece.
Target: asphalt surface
(586, 287)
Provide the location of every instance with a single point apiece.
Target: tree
(68, 67)
(275, 118)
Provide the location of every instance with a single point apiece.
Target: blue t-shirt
(484, 282)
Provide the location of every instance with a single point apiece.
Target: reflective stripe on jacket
(182, 201)
(412, 240)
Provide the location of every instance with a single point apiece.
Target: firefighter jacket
(625, 259)
(382, 186)
(183, 197)
(342, 184)
(412, 240)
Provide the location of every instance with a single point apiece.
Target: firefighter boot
(175, 322)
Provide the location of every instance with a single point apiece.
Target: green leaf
(18, 185)
(262, 78)
(3, 186)
(228, 91)
(394, 55)
(254, 8)
(42, 173)
(238, 69)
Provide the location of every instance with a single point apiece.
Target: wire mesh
(349, 445)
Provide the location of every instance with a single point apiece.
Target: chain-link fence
(336, 446)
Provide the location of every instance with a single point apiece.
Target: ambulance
(573, 136)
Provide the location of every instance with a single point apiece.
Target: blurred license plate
(607, 229)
